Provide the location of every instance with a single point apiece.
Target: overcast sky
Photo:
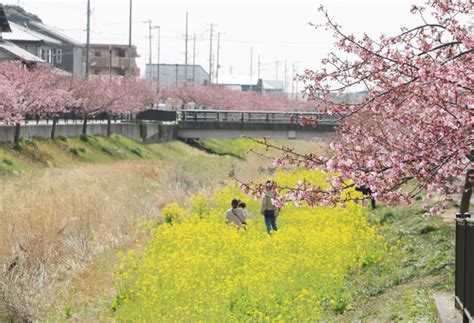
(278, 30)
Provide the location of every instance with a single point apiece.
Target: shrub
(31, 142)
(87, 138)
(18, 147)
(143, 130)
(388, 216)
(62, 138)
(172, 213)
(78, 150)
(107, 151)
(8, 162)
(84, 137)
(137, 151)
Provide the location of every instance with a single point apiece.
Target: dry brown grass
(54, 223)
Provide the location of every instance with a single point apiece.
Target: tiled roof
(37, 26)
(19, 53)
(4, 26)
(20, 33)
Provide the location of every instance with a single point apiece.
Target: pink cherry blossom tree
(412, 133)
(222, 98)
(28, 91)
(112, 95)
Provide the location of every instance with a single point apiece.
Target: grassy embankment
(67, 207)
(58, 211)
(70, 207)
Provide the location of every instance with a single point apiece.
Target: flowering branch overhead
(415, 123)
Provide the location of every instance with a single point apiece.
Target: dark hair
(242, 205)
(235, 203)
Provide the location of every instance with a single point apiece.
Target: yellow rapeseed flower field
(198, 268)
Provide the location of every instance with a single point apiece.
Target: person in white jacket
(235, 215)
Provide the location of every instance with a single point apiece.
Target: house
(68, 54)
(241, 83)
(273, 87)
(112, 59)
(175, 74)
(10, 51)
(35, 43)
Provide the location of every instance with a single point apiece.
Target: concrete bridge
(201, 124)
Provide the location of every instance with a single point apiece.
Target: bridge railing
(250, 116)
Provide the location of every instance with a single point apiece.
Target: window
(120, 71)
(59, 56)
(120, 52)
(96, 71)
(97, 54)
(46, 55)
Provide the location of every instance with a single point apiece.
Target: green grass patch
(401, 288)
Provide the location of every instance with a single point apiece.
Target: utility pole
(210, 55)
(285, 83)
(293, 81)
(176, 72)
(88, 43)
(194, 59)
(217, 62)
(149, 39)
(130, 41)
(258, 66)
(251, 67)
(157, 61)
(110, 60)
(276, 71)
(186, 51)
(296, 92)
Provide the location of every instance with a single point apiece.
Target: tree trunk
(109, 125)
(84, 126)
(17, 133)
(53, 129)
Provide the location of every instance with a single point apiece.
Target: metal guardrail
(252, 116)
(464, 274)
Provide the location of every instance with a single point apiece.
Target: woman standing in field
(268, 210)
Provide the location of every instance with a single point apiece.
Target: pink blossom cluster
(221, 98)
(43, 92)
(24, 91)
(412, 133)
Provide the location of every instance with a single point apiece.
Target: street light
(150, 38)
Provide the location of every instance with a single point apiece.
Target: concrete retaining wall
(155, 132)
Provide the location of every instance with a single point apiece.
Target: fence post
(468, 269)
(459, 261)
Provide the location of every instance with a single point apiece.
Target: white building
(176, 74)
